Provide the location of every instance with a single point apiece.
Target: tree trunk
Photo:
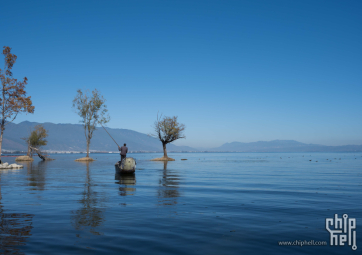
(1, 142)
(37, 152)
(29, 150)
(88, 142)
(164, 150)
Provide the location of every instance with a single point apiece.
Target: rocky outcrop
(11, 166)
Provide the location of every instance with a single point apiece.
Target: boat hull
(128, 166)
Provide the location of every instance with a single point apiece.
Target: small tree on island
(92, 110)
(37, 138)
(13, 99)
(167, 130)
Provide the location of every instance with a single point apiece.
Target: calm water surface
(213, 203)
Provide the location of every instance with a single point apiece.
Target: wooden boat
(127, 166)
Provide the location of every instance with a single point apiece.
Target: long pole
(109, 134)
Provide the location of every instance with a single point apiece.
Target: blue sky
(230, 70)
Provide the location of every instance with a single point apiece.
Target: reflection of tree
(89, 215)
(127, 182)
(15, 228)
(36, 175)
(168, 186)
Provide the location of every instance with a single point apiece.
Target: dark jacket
(123, 150)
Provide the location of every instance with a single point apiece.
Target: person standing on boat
(123, 151)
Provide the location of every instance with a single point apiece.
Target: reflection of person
(123, 151)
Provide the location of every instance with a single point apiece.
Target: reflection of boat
(125, 179)
(127, 183)
(127, 166)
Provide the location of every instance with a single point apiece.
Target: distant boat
(128, 166)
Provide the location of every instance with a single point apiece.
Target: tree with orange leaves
(13, 99)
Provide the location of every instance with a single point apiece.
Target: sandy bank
(163, 159)
(24, 158)
(85, 159)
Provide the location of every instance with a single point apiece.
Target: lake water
(212, 203)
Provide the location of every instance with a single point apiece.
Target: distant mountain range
(284, 146)
(70, 137)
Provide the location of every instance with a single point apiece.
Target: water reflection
(89, 216)
(127, 182)
(36, 174)
(168, 186)
(15, 228)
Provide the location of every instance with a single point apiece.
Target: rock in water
(7, 166)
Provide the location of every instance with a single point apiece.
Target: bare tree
(92, 110)
(167, 130)
(13, 99)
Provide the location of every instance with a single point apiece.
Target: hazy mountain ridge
(71, 137)
(284, 146)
